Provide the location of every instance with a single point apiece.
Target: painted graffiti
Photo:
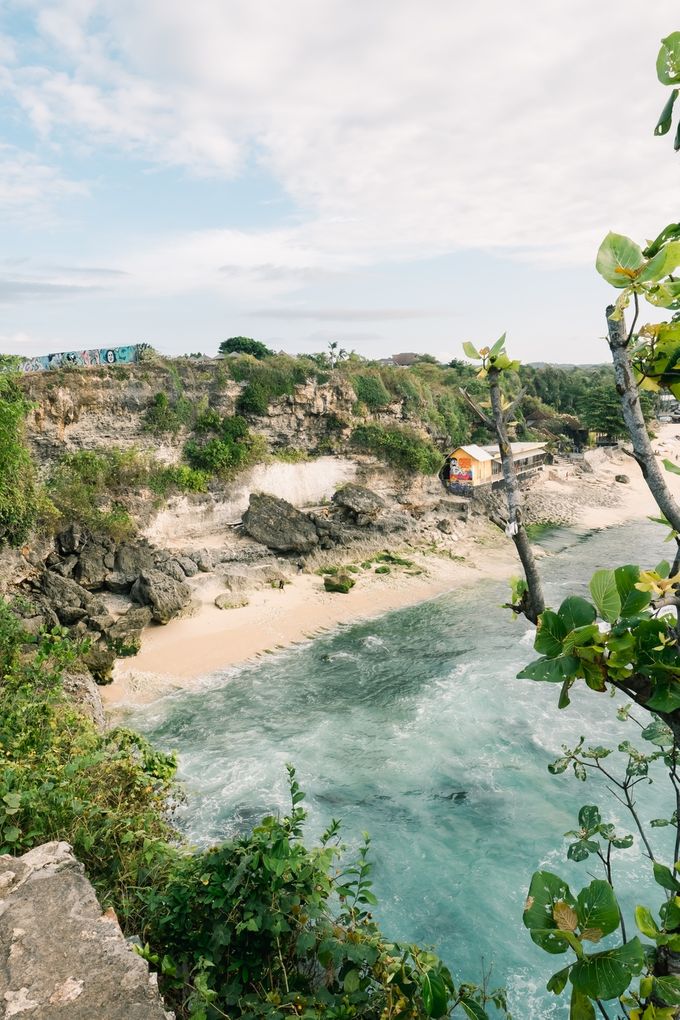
(83, 359)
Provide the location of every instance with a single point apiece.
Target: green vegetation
(245, 345)
(268, 380)
(226, 446)
(400, 446)
(166, 416)
(371, 391)
(20, 498)
(260, 926)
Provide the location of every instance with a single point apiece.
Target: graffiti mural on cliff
(83, 359)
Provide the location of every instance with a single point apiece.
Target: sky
(391, 175)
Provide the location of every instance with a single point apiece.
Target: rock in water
(60, 956)
(278, 525)
(339, 582)
(165, 596)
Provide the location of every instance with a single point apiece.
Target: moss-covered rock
(339, 582)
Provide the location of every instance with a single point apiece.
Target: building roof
(517, 448)
(474, 451)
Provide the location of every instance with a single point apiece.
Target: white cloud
(29, 187)
(400, 130)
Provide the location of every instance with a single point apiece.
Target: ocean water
(413, 728)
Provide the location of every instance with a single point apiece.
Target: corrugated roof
(517, 448)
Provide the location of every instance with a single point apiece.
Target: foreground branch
(516, 530)
(627, 389)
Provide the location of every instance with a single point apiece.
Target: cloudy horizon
(388, 176)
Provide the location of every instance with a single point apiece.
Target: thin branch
(636, 301)
(474, 406)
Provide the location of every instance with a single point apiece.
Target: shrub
(370, 390)
(90, 487)
(166, 416)
(400, 446)
(228, 448)
(245, 345)
(254, 399)
(177, 477)
(20, 498)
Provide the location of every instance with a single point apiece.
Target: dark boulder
(278, 525)
(165, 596)
(339, 583)
(132, 558)
(91, 569)
(361, 503)
(125, 635)
(71, 540)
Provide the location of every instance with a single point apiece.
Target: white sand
(178, 654)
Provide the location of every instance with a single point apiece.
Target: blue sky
(395, 176)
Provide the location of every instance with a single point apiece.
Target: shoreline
(188, 649)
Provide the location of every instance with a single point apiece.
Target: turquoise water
(413, 727)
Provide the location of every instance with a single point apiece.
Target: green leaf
(662, 264)
(674, 469)
(498, 346)
(646, 923)
(663, 569)
(658, 733)
(668, 990)
(596, 907)
(558, 982)
(474, 1010)
(606, 595)
(576, 612)
(552, 671)
(434, 992)
(580, 1007)
(11, 834)
(12, 800)
(632, 600)
(549, 634)
(618, 260)
(545, 891)
(471, 351)
(606, 975)
(664, 123)
(668, 60)
(666, 696)
(353, 981)
(663, 876)
(589, 817)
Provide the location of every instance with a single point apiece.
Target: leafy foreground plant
(262, 926)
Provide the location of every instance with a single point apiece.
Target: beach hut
(471, 467)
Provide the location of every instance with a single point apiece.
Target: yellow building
(471, 467)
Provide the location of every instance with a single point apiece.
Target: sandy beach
(178, 654)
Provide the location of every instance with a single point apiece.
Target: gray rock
(81, 689)
(63, 591)
(91, 570)
(229, 601)
(71, 540)
(174, 569)
(205, 560)
(241, 580)
(360, 501)
(163, 594)
(624, 479)
(339, 583)
(278, 525)
(60, 956)
(188, 566)
(133, 558)
(117, 583)
(444, 526)
(125, 635)
(99, 659)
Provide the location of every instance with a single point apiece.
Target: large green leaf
(646, 923)
(664, 877)
(668, 990)
(545, 891)
(617, 259)
(558, 982)
(664, 122)
(435, 994)
(576, 612)
(666, 696)
(474, 1010)
(597, 908)
(549, 634)
(552, 671)
(668, 60)
(632, 600)
(606, 595)
(662, 264)
(580, 1007)
(606, 975)
(470, 350)
(497, 347)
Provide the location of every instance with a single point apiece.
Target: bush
(177, 477)
(370, 390)
(400, 446)
(254, 399)
(166, 416)
(90, 487)
(267, 381)
(228, 448)
(20, 497)
(245, 345)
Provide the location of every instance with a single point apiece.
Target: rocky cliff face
(61, 957)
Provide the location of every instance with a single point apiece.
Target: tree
(245, 345)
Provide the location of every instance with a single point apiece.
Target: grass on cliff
(21, 499)
(262, 926)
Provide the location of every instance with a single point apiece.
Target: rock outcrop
(165, 596)
(362, 505)
(61, 958)
(278, 525)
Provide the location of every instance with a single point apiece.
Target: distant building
(473, 467)
(404, 360)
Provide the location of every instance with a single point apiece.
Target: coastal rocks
(278, 525)
(360, 504)
(60, 956)
(163, 594)
(341, 583)
(80, 688)
(623, 479)
(228, 601)
(125, 635)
